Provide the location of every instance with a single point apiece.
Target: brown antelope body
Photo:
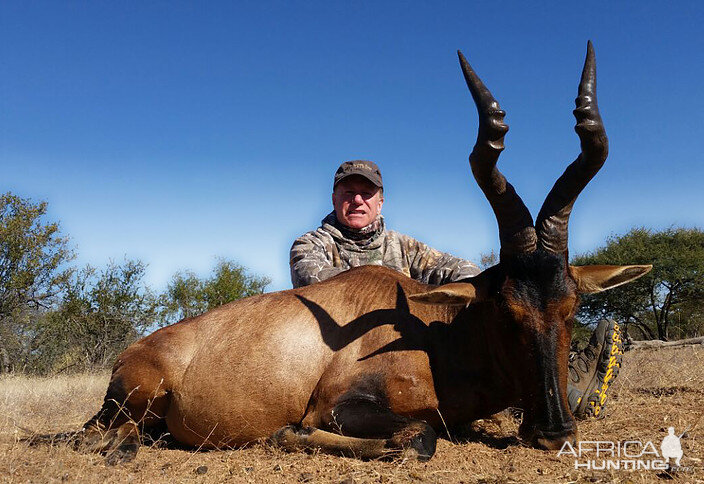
(371, 362)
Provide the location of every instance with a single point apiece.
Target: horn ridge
(553, 219)
(516, 230)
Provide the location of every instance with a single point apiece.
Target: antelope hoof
(417, 443)
(123, 454)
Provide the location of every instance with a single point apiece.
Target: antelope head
(533, 292)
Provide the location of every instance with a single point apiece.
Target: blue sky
(177, 132)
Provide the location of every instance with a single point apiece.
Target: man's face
(357, 201)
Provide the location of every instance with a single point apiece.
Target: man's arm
(434, 267)
(310, 262)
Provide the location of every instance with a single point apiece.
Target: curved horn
(553, 218)
(516, 230)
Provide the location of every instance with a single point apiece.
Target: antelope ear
(454, 293)
(591, 279)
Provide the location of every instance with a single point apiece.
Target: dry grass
(656, 389)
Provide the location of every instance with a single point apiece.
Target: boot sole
(592, 403)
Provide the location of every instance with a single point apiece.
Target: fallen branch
(656, 343)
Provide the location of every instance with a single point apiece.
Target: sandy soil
(656, 389)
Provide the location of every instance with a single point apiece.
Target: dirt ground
(656, 389)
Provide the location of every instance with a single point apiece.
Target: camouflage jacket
(333, 248)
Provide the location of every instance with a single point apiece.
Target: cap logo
(364, 168)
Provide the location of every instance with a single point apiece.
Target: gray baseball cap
(365, 168)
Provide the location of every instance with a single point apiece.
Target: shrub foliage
(55, 318)
(667, 302)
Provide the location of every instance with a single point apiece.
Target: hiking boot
(592, 371)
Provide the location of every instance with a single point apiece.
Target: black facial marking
(538, 278)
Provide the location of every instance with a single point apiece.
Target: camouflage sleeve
(434, 267)
(309, 261)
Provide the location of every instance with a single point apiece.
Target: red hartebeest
(367, 363)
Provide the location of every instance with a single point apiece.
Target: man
(354, 234)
